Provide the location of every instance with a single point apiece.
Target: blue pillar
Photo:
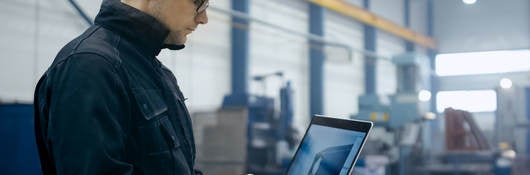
(370, 42)
(432, 55)
(434, 125)
(240, 57)
(409, 46)
(527, 106)
(316, 60)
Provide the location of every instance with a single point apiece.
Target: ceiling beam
(372, 19)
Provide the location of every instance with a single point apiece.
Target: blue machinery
(402, 113)
(404, 107)
(268, 129)
(406, 119)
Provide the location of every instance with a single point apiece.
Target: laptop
(330, 146)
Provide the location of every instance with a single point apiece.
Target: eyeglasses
(201, 5)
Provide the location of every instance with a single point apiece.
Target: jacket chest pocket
(156, 133)
(157, 140)
(150, 102)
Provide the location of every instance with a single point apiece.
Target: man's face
(180, 16)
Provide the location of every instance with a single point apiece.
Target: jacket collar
(138, 27)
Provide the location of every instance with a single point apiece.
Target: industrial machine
(469, 152)
(270, 133)
(269, 130)
(402, 140)
(400, 132)
(257, 138)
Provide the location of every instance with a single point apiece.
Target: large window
(472, 101)
(482, 62)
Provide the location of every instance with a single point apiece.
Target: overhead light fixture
(424, 95)
(506, 83)
(469, 1)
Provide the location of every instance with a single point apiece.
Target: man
(106, 105)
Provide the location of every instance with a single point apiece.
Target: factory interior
(445, 82)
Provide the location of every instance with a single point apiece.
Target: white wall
(32, 33)
(391, 10)
(272, 50)
(387, 44)
(484, 26)
(343, 78)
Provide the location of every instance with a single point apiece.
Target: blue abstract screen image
(326, 151)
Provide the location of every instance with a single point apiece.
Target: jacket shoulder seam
(83, 39)
(115, 66)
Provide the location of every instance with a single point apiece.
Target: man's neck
(141, 5)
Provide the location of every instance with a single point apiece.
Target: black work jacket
(106, 105)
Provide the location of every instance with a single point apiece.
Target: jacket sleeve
(88, 117)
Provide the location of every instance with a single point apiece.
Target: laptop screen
(327, 150)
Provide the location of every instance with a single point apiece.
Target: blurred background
(447, 82)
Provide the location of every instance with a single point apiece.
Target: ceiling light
(469, 1)
(506, 83)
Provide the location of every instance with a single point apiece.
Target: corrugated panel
(272, 50)
(387, 45)
(343, 77)
(25, 53)
(391, 10)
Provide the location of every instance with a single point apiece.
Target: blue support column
(434, 125)
(316, 60)
(527, 106)
(408, 87)
(240, 57)
(432, 55)
(409, 46)
(370, 44)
